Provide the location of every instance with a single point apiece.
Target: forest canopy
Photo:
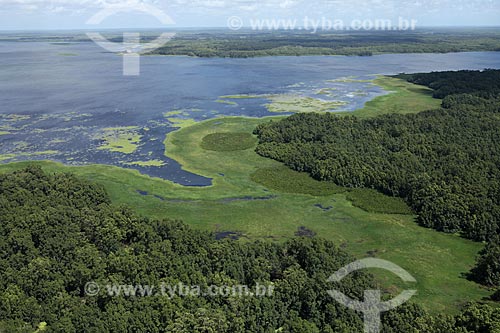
(252, 43)
(444, 163)
(58, 232)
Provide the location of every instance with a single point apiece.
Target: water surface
(62, 102)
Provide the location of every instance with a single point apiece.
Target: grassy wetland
(259, 198)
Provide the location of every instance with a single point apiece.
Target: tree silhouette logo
(372, 307)
(131, 48)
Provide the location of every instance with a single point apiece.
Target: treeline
(58, 232)
(444, 163)
(483, 85)
(245, 44)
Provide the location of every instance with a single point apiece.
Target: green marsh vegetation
(403, 98)
(283, 179)
(223, 101)
(437, 260)
(443, 163)
(300, 104)
(120, 139)
(110, 244)
(375, 202)
(156, 163)
(5, 157)
(43, 271)
(291, 103)
(228, 141)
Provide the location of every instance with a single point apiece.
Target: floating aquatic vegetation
(120, 139)
(301, 104)
(223, 101)
(155, 163)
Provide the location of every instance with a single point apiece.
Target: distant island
(247, 43)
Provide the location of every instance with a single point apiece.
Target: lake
(70, 102)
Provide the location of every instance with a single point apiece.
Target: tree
(487, 269)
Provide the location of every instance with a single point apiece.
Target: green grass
(404, 98)
(286, 180)
(180, 122)
(375, 202)
(438, 261)
(228, 141)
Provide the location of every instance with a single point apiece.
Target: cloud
(60, 5)
(351, 7)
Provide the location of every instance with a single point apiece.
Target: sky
(75, 14)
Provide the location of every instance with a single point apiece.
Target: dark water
(57, 100)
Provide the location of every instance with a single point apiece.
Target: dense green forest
(484, 86)
(58, 232)
(444, 163)
(244, 44)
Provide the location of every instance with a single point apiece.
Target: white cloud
(270, 7)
